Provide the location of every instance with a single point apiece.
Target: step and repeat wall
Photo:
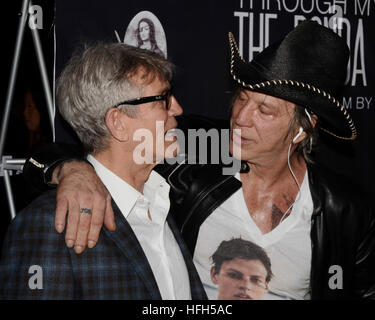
(194, 36)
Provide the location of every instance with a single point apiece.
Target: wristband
(48, 170)
(38, 169)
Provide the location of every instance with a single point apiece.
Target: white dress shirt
(154, 235)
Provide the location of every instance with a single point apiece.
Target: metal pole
(8, 188)
(13, 164)
(13, 75)
(44, 75)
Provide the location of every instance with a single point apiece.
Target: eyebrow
(263, 102)
(268, 104)
(258, 276)
(165, 89)
(236, 271)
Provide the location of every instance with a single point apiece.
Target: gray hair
(96, 78)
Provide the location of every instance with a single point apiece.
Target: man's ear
(314, 120)
(299, 136)
(267, 287)
(303, 135)
(213, 274)
(116, 122)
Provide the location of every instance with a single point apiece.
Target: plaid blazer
(116, 268)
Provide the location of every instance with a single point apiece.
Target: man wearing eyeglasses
(107, 93)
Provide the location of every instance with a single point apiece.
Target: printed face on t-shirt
(240, 279)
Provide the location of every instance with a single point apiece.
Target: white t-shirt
(288, 245)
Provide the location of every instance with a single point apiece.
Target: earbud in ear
(298, 134)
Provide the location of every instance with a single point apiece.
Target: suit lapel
(196, 287)
(126, 240)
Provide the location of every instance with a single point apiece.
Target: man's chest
(268, 208)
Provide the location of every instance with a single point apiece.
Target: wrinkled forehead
(276, 104)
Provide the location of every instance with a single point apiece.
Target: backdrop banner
(194, 35)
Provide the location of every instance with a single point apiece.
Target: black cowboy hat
(308, 67)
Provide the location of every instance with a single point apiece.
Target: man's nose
(245, 116)
(246, 285)
(175, 108)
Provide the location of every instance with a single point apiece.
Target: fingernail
(59, 228)
(69, 243)
(91, 244)
(78, 249)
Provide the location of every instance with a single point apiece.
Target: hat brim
(332, 115)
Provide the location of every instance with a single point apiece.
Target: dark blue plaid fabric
(116, 268)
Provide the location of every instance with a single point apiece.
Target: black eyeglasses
(166, 97)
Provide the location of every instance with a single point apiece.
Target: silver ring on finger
(86, 210)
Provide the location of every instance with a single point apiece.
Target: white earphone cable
(294, 176)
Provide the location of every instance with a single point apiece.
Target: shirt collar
(124, 195)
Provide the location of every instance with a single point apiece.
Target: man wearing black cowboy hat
(320, 239)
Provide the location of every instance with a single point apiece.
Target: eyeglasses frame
(137, 101)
